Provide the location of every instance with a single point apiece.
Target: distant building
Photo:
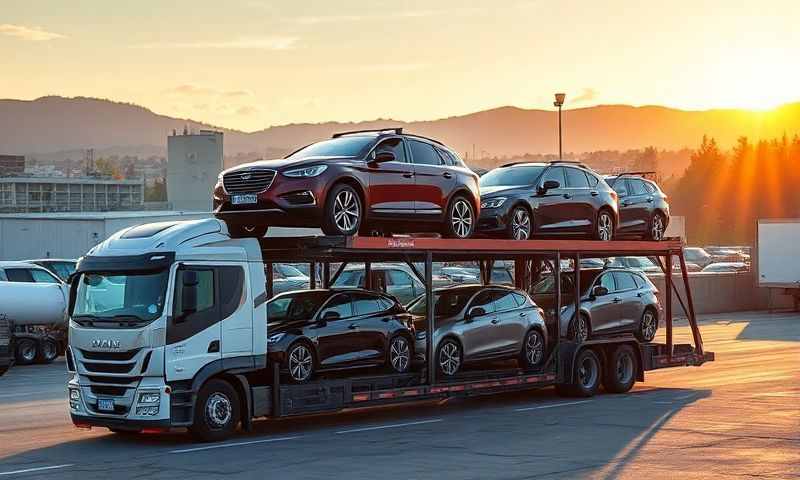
(193, 164)
(12, 165)
(21, 194)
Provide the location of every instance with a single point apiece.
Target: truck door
(235, 317)
(194, 329)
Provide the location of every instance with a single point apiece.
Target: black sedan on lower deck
(310, 331)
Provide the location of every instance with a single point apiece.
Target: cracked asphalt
(737, 417)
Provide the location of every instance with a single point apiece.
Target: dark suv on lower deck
(524, 200)
(367, 181)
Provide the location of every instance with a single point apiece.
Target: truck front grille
(108, 367)
(253, 180)
(110, 356)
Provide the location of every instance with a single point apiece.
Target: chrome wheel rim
(657, 231)
(581, 330)
(624, 369)
(605, 227)
(400, 354)
(28, 352)
(219, 410)
(648, 326)
(587, 373)
(461, 218)
(300, 363)
(346, 211)
(48, 350)
(534, 348)
(449, 358)
(521, 224)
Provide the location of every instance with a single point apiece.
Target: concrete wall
(193, 164)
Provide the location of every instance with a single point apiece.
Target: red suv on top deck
(366, 181)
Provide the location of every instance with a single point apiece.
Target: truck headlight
(305, 172)
(493, 202)
(150, 398)
(275, 338)
(147, 411)
(74, 399)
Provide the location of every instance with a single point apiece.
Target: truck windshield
(130, 299)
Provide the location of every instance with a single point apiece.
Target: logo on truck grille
(102, 343)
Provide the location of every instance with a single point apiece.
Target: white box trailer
(779, 253)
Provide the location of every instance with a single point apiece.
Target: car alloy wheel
(400, 354)
(461, 218)
(605, 227)
(346, 211)
(449, 358)
(534, 348)
(657, 228)
(581, 329)
(648, 326)
(520, 224)
(301, 363)
(219, 410)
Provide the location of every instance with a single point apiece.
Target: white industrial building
(193, 164)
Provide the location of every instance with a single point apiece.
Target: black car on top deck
(643, 207)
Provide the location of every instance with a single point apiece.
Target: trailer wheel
(26, 351)
(620, 374)
(48, 351)
(586, 376)
(217, 412)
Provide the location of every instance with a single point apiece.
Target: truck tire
(620, 374)
(48, 351)
(217, 411)
(26, 351)
(587, 376)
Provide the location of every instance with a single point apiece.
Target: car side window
(624, 281)
(555, 173)
(3, 275)
(606, 280)
(43, 276)
(340, 304)
(446, 157)
(385, 303)
(483, 300)
(400, 278)
(636, 186)
(504, 300)
(651, 188)
(621, 187)
(366, 305)
(19, 275)
(395, 146)
(521, 299)
(639, 281)
(593, 180)
(424, 154)
(576, 178)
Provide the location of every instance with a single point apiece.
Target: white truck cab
(155, 311)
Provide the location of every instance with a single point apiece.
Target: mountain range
(60, 124)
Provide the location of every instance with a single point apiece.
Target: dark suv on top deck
(643, 207)
(523, 200)
(367, 181)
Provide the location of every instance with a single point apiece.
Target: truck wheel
(26, 351)
(620, 374)
(48, 351)
(217, 412)
(586, 376)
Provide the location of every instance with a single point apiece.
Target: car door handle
(567, 195)
(617, 299)
(649, 199)
(640, 294)
(353, 326)
(523, 314)
(495, 321)
(594, 193)
(408, 174)
(447, 175)
(625, 204)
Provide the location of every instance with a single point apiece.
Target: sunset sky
(249, 64)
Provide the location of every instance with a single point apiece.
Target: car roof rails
(396, 130)
(577, 163)
(425, 138)
(617, 176)
(521, 162)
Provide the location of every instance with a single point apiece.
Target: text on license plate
(244, 199)
(105, 404)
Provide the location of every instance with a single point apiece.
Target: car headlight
(493, 202)
(305, 172)
(275, 338)
(150, 397)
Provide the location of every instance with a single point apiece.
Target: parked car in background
(476, 323)
(728, 254)
(643, 207)
(372, 180)
(613, 301)
(726, 267)
(643, 264)
(62, 268)
(396, 279)
(286, 277)
(311, 331)
(526, 200)
(698, 256)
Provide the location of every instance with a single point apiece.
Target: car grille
(254, 180)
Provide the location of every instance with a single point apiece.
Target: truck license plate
(105, 404)
(244, 199)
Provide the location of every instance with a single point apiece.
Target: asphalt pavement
(737, 417)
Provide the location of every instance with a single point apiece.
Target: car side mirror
(385, 156)
(475, 312)
(599, 291)
(329, 316)
(549, 185)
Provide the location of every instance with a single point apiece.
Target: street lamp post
(558, 103)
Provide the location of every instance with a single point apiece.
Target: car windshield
(350, 278)
(511, 176)
(111, 297)
(63, 269)
(295, 306)
(546, 286)
(352, 146)
(446, 304)
(284, 271)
